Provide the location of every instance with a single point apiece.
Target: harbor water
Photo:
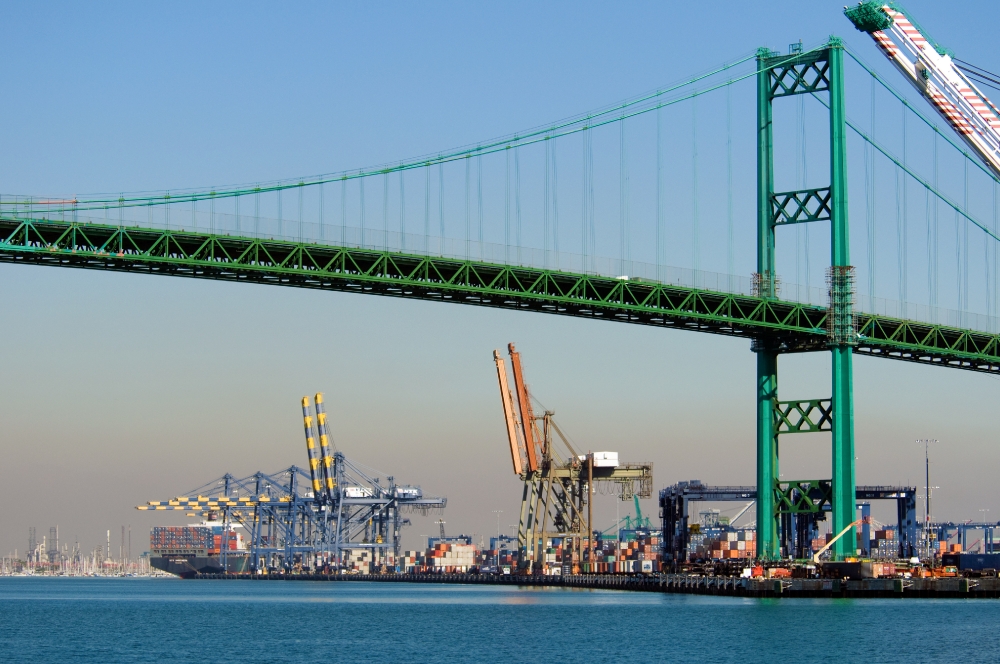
(171, 620)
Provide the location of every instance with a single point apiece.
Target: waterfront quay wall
(986, 587)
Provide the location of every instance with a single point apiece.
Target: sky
(118, 389)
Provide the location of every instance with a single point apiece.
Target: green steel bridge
(797, 327)
(52, 233)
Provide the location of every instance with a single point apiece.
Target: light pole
(927, 490)
(498, 513)
(987, 531)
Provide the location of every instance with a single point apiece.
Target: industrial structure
(799, 527)
(559, 481)
(298, 519)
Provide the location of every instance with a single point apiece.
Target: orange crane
(527, 414)
(558, 483)
(509, 416)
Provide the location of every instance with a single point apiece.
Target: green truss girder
(802, 496)
(806, 74)
(797, 207)
(792, 327)
(803, 416)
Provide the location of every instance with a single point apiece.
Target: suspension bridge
(531, 222)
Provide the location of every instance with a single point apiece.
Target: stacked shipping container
(201, 540)
(449, 558)
(733, 545)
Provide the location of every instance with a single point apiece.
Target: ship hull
(188, 566)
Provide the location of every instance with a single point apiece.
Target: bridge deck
(793, 326)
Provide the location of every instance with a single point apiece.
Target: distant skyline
(118, 389)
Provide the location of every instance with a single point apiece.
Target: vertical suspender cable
(905, 239)
(238, 225)
(730, 260)
(517, 200)
(799, 154)
(343, 211)
(996, 229)
(281, 223)
(965, 242)
(479, 199)
(806, 252)
(545, 204)
(584, 228)
(659, 194)
(302, 194)
(935, 237)
(385, 210)
(626, 230)
(322, 211)
(361, 195)
(555, 203)
(441, 208)
(402, 210)
(622, 236)
(591, 213)
(872, 235)
(256, 211)
(986, 260)
(427, 207)
(694, 191)
(506, 207)
(930, 251)
(870, 200)
(958, 260)
(899, 239)
(468, 205)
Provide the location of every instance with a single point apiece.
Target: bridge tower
(778, 501)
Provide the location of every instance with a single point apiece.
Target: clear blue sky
(118, 389)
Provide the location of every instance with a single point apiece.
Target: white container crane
(932, 71)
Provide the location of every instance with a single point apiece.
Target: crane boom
(508, 412)
(324, 446)
(834, 540)
(307, 422)
(930, 69)
(524, 402)
(741, 512)
(638, 513)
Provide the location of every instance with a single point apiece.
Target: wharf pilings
(949, 587)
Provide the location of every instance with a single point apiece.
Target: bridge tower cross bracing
(782, 76)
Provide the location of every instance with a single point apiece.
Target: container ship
(208, 548)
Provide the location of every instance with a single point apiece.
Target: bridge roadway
(794, 327)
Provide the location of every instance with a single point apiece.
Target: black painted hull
(187, 567)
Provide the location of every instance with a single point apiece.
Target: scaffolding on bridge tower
(779, 76)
